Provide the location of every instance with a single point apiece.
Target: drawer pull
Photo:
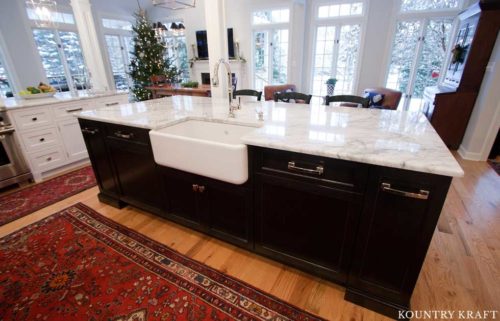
(318, 171)
(90, 131)
(111, 104)
(34, 119)
(73, 110)
(42, 139)
(421, 195)
(125, 136)
(195, 187)
(49, 159)
(201, 188)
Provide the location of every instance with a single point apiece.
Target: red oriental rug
(27, 200)
(79, 265)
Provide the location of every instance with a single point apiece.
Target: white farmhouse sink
(205, 148)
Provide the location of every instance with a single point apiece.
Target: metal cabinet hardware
(421, 195)
(42, 139)
(318, 171)
(90, 131)
(195, 187)
(34, 119)
(49, 159)
(111, 104)
(201, 188)
(125, 136)
(73, 110)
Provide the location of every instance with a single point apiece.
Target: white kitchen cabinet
(72, 140)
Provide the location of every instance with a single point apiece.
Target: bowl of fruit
(42, 91)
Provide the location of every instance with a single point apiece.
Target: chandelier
(162, 32)
(45, 12)
(175, 4)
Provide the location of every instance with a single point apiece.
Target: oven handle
(7, 131)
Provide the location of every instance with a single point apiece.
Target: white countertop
(61, 97)
(389, 138)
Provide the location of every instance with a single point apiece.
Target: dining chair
(352, 101)
(390, 98)
(271, 89)
(292, 95)
(248, 92)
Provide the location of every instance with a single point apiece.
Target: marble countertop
(61, 97)
(389, 138)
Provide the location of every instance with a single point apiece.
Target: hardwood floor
(461, 271)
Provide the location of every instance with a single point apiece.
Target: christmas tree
(148, 59)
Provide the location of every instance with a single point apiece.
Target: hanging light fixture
(175, 4)
(160, 31)
(45, 12)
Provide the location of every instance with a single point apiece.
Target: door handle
(421, 195)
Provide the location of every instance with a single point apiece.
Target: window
(270, 47)
(62, 58)
(117, 24)
(340, 10)
(5, 86)
(60, 17)
(427, 5)
(177, 52)
(336, 50)
(426, 35)
(271, 16)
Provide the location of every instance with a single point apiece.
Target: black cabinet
(220, 209)
(94, 136)
(399, 217)
(123, 161)
(307, 210)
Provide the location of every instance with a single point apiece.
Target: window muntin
(119, 48)
(340, 10)
(271, 16)
(428, 5)
(117, 24)
(59, 17)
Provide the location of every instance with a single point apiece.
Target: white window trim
(318, 22)
(270, 27)
(14, 82)
(125, 57)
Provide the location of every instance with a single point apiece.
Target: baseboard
(465, 154)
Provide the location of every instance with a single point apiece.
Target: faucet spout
(215, 82)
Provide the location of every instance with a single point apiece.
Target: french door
(418, 53)
(336, 54)
(270, 56)
(119, 48)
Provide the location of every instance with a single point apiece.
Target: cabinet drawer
(127, 133)
(315, 169)
(47, 159)
(112, 101)
(40, 138)
(32, 118)
(65, 111)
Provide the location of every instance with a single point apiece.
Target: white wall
(485, 119)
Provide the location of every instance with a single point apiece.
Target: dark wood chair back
(271, 89)
(352, 101)
(391, 96)
(297, 97)
(248, 92)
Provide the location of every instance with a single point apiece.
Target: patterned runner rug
(27, 200)
(79, 265)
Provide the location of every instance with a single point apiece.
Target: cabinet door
(72, 138)
(93, 135)
(306, 225)
(227, 211)
(181, 197)
(136, 174)
(400, 215)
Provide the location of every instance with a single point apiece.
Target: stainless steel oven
(13, 168)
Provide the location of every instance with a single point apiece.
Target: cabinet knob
(49, 159)
(201, 188)
(195, 187)
(42, 139)
(34, 118)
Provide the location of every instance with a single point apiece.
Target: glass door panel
(51, 59)
(347, 60)
(323, 58)
(74, 58)
(117, 62)
(280, 56)
(261, 59)
(403, 50)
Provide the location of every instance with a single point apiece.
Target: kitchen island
(351, 195)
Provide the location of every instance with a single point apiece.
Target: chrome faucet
(215, 83)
